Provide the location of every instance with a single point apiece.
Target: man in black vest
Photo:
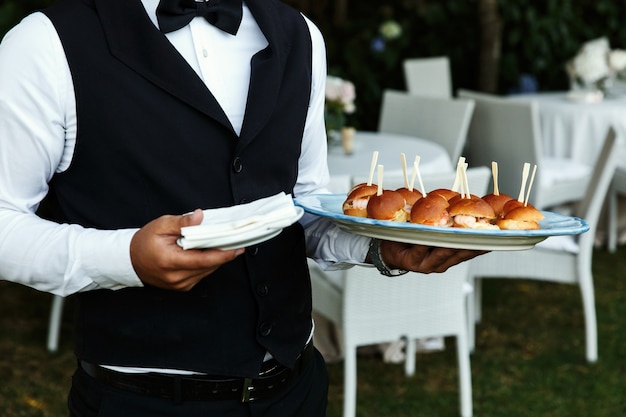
(128, 113)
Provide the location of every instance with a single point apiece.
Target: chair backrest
(428, 76)
(442, 120)
(590, 207)
(507, 132)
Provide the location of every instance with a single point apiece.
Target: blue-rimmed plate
(554, 224)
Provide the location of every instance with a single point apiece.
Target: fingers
(423, 259)
(159, 261)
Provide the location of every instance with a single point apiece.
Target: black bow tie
(224, 14)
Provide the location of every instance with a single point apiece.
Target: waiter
(125, 114)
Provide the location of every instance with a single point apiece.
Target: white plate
(240, 240)
(248, 236)
(330, 205)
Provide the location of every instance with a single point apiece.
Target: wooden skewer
(404, 172)
(419, 176)
(372, 167)
(530, 185)
(494, 173)
(465, 181)
(457, 178)
(413, 175)
(525, 170)
(380, 180)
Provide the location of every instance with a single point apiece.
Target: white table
(345, 169)
(575, 129)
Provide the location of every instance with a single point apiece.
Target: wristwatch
(377, 260)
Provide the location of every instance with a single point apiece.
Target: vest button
(265, 329)
(237, 165)
(262, 289)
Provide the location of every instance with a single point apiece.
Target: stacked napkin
(241, 225)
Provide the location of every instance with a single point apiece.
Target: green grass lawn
(529, 358)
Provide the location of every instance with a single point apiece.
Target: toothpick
(530, 185)
(380, 180)
(525, 170)
(494, 173)
(404, 171)
(465, 181)
(419, 176)
(413, 175)
(457, 178)
(372, 167)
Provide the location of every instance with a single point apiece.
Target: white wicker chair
(372, 309)
(428, 76)
(442, 120)
(563, 259)
(507, 132)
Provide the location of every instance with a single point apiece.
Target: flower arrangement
(596, 65)
(340, 96)
(388, 30)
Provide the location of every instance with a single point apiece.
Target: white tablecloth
(344, 168)
(575, 129)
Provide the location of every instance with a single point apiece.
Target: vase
(347, 139)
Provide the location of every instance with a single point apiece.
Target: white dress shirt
(38, 133)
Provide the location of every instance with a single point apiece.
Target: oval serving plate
(554, 224)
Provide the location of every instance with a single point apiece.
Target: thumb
(192, 219)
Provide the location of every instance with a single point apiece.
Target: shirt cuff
(105, 257)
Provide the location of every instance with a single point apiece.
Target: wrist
(375, 257)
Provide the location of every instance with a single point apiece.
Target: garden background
(492, 44)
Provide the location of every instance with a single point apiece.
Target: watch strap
(377, 260)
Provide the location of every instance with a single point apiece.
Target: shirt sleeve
(328, 245)
(37, 115)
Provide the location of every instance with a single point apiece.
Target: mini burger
(513, 204)
(431, 210)
(473, 213)
(410, 196)
(445, 193)
(497, 202)
(389, 205)
(458, 197)
(356, 202)
(521, 218)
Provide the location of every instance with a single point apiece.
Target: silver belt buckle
(246, 392)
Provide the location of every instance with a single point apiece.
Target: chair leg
(612, 223)
(470, 308)
(349, 382)
(465, 375)
(409, 358)
(478, 299)
(54, 326)
(589, 308)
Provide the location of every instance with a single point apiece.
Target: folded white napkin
(250, 220)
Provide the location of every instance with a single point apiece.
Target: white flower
(342, 92)
(390, 29)
(595, 62)
(590, 66)
(617, 60)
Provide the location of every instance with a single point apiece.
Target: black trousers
(306, 397)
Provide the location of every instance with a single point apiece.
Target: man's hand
(160, 262)
(423, 259)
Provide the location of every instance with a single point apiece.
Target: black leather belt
(272, 378)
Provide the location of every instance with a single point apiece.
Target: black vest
(152, 140)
